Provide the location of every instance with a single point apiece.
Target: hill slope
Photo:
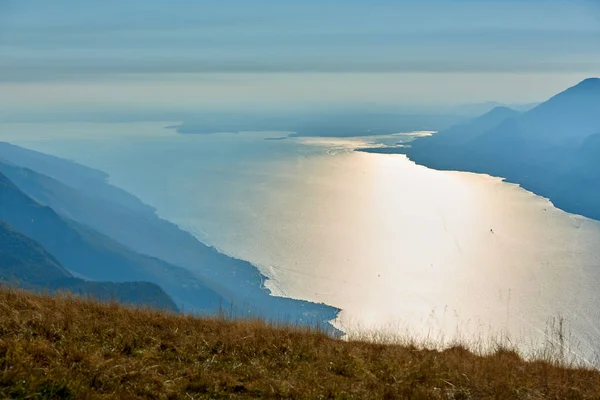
(548, 149)
(140, 229)
(96, 257)
(61, 348)
(571, 115)
(463, 133)
(26, 263)
(72, 174)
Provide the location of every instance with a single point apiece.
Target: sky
(190, 54)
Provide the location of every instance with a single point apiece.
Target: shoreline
(144, 231)
(548, 195)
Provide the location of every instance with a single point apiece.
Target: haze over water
(396, 246)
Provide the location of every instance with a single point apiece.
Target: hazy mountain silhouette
(551, 149)
(94, 256)
(237, 281)
(24, 260)
(25, 263)
(77, 176)
(463, 133)
(472, 110)
(442, 144)
(571, 115)
(318, 123)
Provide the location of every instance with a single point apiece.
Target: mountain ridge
(540, 149)
(468, 130)
(551, 150)
(27, 264)
(238, 282)
(95, 256)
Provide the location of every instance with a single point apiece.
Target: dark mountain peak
(570, 115)
(585, 88)
(589, 83)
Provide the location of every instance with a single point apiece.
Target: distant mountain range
(464, 132)
(102, 233)
(91, 255)
(70, 229)
(323, 124)
(552, 149)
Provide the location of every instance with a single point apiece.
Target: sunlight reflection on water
(397, 246)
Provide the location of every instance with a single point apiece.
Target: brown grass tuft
(65, 348)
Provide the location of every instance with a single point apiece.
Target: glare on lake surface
(395, 245)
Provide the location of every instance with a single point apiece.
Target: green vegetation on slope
(68, 348)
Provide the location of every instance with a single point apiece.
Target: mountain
(93, 256)
(25, 263)
(540, 142)
(23, 260)
(571, 115)
(551, 149)
(77, 176)
(471, 110)
(466, 131)
(240, 283)
(589, 150)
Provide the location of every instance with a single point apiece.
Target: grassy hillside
(68, 348)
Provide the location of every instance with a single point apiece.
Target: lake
(400, 248)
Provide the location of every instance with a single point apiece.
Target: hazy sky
(192, 53)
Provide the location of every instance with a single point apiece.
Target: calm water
(399, 247)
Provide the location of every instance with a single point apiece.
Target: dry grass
(68, 348)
